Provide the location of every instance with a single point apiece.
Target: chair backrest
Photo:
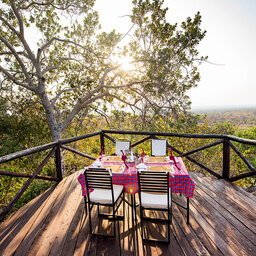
(153, 182)
(98, 178)
(158, 147)
(122, 145)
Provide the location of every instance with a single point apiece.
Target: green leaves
(72, 65)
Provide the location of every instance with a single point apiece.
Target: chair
(158, 147)
(154, 194)
(122, 145)
(102, 192)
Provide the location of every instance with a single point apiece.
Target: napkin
(123, 157)
(143, 154)
(172, 158)
(101, 153)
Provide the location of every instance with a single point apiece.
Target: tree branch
(102, 114)
(106, 73)
(126, 102)
(9, 26)
(34, 3)
(19, 53)
(16, 12)
(62, 8)
(10, 76)
(49, 69)
(22, 38)
(16, 55)
(125, 85)
(79, 105)
(53, 101)
(40, 50)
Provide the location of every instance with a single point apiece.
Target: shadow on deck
(222, 222)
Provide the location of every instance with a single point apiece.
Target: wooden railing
(55, 149)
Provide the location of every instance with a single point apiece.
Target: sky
(230, 44)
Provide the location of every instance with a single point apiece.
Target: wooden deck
(222, 222)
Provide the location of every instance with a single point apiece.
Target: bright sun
(126, 62)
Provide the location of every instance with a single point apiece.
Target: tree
(70, 68)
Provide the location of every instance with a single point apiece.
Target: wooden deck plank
(191, 236)
(204, 238)
(68, 212)
(40, 220)
(226, 230)
(212, 233)
(239, 191)
(73, 231)
(45, 220)
(241, 213)
(54, 229)
(22, 230)
(83, 237)
(12, 220)
(247, 233)
(232, 193)
(55, 224)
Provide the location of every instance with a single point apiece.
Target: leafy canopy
(71, 67)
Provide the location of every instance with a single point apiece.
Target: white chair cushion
(104, 196)
(158, 147)
(158, 201)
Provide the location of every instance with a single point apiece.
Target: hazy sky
(230, 41)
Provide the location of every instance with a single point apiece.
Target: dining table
(126, 173)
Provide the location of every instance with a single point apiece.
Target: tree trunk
(52, 123)
(56, 137)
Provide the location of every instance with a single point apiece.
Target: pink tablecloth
(180, 182)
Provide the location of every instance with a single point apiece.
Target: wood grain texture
(222, 222)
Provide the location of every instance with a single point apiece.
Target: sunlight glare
(125, 61)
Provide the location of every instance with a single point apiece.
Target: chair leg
(141, 223)
(119, 240)
(90, 220)
(188, 210)
(123, 203)
(114, 219)
(98, 209)
(134, 204)
(169, 222)
(85, 206)
(132, 208)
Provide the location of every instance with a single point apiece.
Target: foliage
(36, 188)
(21, 129)
(240, 118)
(9, 186)
(24, 127)
(69, 69)
(249, 152)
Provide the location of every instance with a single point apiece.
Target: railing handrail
(40, 148)
(27, 152)
(186, 135)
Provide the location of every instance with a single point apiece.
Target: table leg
(132, 205)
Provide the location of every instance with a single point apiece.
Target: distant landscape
(240, 116)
